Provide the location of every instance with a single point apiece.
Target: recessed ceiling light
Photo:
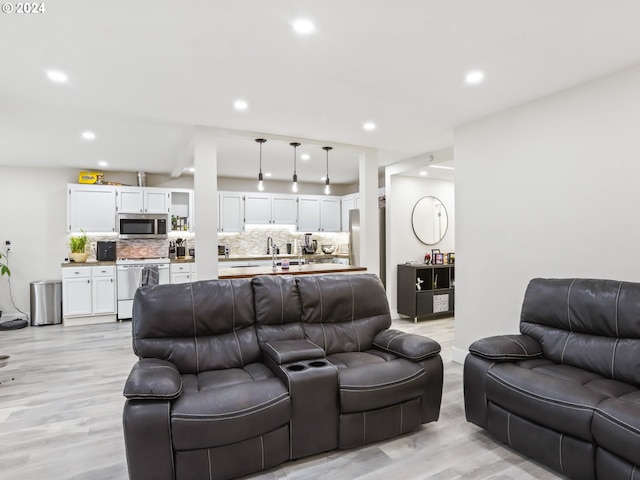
(88, 135)
(57, 76)
(305, 156)
(442, 167)
(267, 174)
(369, 126)
(323, 178)
(102, 163)
(192, 169)
(240, 105)
(303, 26)
(474, 77)
(423, 173)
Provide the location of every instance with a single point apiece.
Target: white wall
(33, 206)
(401, 198)
(548, 189)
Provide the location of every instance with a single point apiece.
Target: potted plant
(4, 270)
(77, 245)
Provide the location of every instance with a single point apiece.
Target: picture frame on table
(439, 259)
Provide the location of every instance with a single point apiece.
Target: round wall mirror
(429, 220)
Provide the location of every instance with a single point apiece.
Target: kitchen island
(308, 269)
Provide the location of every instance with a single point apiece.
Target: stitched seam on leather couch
(203, 417)
(616, 421)
(536, 396)
(381, 386)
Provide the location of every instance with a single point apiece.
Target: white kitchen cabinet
(267, 208)
(103, 290)
(330, 214)
(231, 214)
(348, 202)
(88, 292)
(318, 214)
(257, 209)
(308, 214)
(76, 292)
(91, 208)
(183, 272)
(143, 200)
(283, 209)
(182, 209)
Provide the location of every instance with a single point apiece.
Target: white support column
(205, 184)
(369, 229)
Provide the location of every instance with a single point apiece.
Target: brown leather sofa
(237, 376)
(566, 391)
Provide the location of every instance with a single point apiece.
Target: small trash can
(46, 302)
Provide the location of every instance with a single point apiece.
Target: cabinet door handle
(88, 281)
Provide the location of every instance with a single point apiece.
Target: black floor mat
(14, 324)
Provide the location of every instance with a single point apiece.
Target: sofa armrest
(153, 379)
(506, 348)
(408, 345)
(288, 351)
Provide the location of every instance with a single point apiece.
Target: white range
(134, 273)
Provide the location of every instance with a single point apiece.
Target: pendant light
(294, 187)
(327, 188)
(260, 183)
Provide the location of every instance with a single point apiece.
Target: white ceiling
(142, 74)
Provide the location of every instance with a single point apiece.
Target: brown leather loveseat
(566, 391)
(237, 376)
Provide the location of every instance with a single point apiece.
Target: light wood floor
(61, 408)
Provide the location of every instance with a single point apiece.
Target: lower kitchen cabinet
(183, 272)
(88, 294)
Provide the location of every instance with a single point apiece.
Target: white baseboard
(458, 355)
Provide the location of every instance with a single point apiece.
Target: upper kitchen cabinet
(318, 214)
(349, 202)
(231, 213)
(182, 209)
(267, 208)
(91, 208)
(143, 200)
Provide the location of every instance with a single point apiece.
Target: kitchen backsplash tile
(250, 242)
(254, 241)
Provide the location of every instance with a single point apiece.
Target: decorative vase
(78, 257)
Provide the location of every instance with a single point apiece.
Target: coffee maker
(309, 246)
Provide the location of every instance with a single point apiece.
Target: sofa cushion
(506, 348)
(343, 313)
(227, 406)
(407, 345)
(555, 396)
(590, 324)
(153, 379)
(278, 310)
(197, 326)
(367, 381)
(616, 426)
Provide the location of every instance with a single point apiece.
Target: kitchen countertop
(88, 263)
(246, 272)
(312, 256)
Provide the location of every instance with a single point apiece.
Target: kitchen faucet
(270, 245)
(274, 249)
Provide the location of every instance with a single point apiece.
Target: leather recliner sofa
(237, 376)
(566, 391)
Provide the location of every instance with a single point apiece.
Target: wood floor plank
(61, 417)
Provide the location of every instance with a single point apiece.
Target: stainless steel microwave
(142, 225)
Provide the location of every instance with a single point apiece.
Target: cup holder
(318, 363)
(296, 368)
